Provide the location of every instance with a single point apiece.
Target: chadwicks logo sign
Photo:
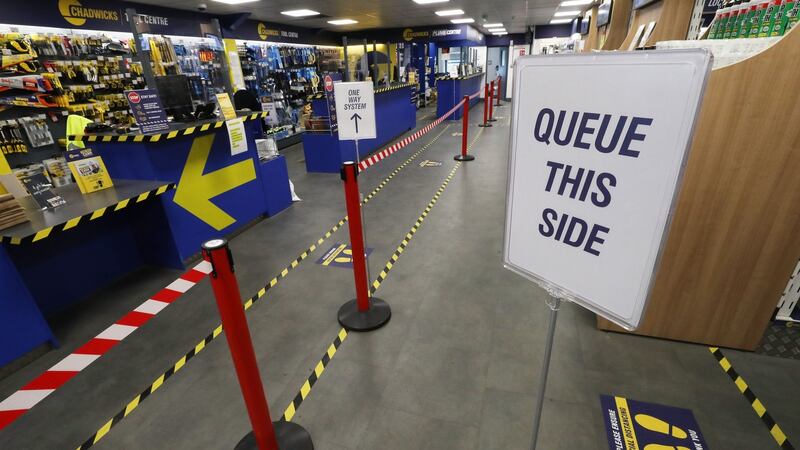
(409, 34)
(265, 33)
(76, 14)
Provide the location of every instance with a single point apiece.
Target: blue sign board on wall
(147, 110)
(631, 424)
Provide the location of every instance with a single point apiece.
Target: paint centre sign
(593, 178)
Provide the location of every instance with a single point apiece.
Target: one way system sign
(355, 109)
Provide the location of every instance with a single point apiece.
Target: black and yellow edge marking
(321, 95)
(305, 389)
(755, 403)
(319, 369)
(136, 401)
(159, 136)
(466, 77)
(94, 215)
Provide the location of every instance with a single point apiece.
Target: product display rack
(733, 243)
(286, 75)
(60, 72)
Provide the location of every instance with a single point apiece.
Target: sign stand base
(290, 436)
(464, 157)
(487, 124)
(554, 304)
(375, 317)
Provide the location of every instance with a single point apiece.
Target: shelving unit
(735, 235)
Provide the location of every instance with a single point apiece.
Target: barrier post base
(492, 120)
(290, 436)
(375, 317)
(487, 125)
(460, 157)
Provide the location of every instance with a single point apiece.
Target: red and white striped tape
(46, 383)
(375, 157)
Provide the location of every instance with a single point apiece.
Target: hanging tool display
(11, 139)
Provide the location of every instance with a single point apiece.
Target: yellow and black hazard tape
(159, 381)
(94, 215)
(138, 138)
(755, 403)
(319, 369)
(321, 95)
(465, 77)
(290, 411)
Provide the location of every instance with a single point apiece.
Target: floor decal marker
(56, 376)
(755, 403)
(319, 369)
(136, 401)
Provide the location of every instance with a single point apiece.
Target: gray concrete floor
(456, 368)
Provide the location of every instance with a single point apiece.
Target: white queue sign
(355, 110)
(594, 173)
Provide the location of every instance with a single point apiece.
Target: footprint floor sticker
(635, 425)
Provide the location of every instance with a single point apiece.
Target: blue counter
(172, 191)
(450, 91)
(217, 193)
(394, 115)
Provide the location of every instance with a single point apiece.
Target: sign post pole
(486, 100)
(491, 102)
(499, 87)
(364, 313)
(548, 350)
(463, 156)
(266, 435)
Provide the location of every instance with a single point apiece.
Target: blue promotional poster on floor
(635, 425)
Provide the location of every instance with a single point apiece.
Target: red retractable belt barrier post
(362, 313)
(499, 89)
(463, 156)
(486, 100)
(266, 435)
(491, 103)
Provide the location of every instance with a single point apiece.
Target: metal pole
(548, 350)
(367, 72)
(226, 80)
(364, 313)
(346, 63)
(144, 56)
(375, 68)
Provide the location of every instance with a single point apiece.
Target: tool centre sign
(593, 179)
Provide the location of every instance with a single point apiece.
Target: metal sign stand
(554, 303)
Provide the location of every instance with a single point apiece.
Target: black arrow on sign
(355, 117)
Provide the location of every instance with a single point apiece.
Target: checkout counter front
(395, 113)
(172, 191)
(450, 91)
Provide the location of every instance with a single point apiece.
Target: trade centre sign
(593, 178)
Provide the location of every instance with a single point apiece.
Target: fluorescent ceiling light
(464, 20)
(500, 34)
(300, 13)
(556, 21)
(450, 12)
(576, 2)
(567, 13)
(342, 22)
(495, 29)
(492, 25)
(427, 2)
(235, 2)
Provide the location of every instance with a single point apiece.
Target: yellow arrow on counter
(195, 189)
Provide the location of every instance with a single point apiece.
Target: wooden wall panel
(735, 237)
(617, 28)
(672, 21)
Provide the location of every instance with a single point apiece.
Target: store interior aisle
(455, 368)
